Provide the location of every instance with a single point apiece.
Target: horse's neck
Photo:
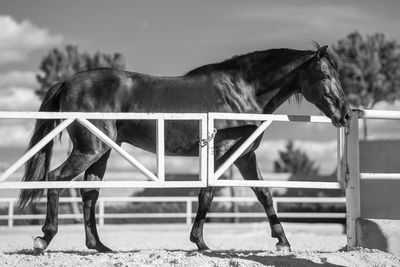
(278, 99)
(275, 87)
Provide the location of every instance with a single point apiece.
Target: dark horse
(257, 82)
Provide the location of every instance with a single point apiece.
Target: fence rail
(187, 214)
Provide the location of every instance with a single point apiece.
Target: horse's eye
(327, 77)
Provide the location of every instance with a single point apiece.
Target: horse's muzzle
(342, 120)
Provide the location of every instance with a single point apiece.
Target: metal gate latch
(204, 142)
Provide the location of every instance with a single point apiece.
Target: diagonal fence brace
(238, 152)
(103, 137)
(36, 148)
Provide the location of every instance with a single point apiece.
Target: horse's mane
(240, 61)
(283, 54)
(244, 62)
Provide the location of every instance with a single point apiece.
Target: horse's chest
(236, 95)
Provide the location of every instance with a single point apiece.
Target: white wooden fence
(187, 214)
(349, 167)
(348, 154)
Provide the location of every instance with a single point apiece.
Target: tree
(294, 161)
(301, 167)
(369, 68)
(60, 64)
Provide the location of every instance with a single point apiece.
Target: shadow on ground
(268, 258)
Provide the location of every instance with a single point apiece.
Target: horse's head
(320, 85)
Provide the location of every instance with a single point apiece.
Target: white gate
(266, 120)
(155, 180)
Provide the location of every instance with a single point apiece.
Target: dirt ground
(168, 245)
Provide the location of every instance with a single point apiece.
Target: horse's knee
(85, 191)
(92, 177)
(89, 196)
(263, 195)
(206, 194)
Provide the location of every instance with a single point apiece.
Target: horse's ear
(321, 52)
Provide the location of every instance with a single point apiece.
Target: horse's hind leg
(76, 163)
(248, 167)
(89, 197)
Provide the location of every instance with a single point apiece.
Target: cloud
(18, 78)
(15, 134)
(18, 39)
(19, 99)
(17, 91)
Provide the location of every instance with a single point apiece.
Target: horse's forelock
(332, 59)
(328, 55)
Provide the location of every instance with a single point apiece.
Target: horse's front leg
(248, 167)
(206, 195)
(196, 235)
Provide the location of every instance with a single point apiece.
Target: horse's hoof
(203, 248)
(39, 244)
(283, 248)
(102, 248)
(206, 250)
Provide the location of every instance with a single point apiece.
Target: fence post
(203, 153)
(353, 183)
(188, 211)
(10, 213)
(210, 151)
(160, 150)
(342, 166)
(101, 212)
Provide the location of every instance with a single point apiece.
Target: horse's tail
(37, 168)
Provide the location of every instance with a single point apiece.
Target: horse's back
(110, 90)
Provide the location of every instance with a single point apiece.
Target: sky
(171, 37)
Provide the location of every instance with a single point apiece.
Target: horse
(257, 82)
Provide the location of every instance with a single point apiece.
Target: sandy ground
(168, 245)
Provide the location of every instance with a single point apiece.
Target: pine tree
(294, 161)
(60, 64)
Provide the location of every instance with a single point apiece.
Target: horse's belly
(180, 137)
